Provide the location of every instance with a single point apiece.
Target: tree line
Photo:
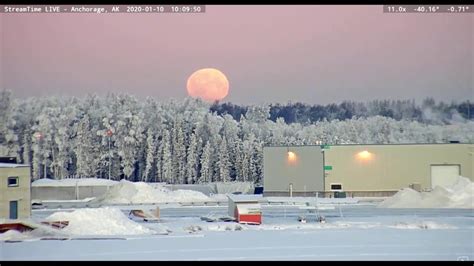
(429, 111)
(178, 142)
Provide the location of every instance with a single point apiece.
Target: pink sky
(313, 54)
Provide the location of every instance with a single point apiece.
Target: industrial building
(363, 170)
(297, 169)
(15, 191)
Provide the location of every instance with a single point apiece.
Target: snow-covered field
(436, 225)
(353, 232)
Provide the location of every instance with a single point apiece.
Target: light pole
(109, 134)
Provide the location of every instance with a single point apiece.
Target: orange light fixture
(291, 156)
(364, 155)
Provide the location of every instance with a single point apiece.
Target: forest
(189, 141)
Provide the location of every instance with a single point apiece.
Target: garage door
(444, 175)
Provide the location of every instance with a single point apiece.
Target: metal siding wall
(392, 166)
(306, 171)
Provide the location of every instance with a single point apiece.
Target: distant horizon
(104, 94)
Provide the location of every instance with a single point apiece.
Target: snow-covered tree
(223, 162)
(206, 167)
(62, 142)
(167, 168)
(85, 150)
(179, 151)
(192, 161)
(9, 141)
(130, 135)
(191, 141)
(150, 155)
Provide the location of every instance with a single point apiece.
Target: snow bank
(458, 195)
(182, 195)
(11, 235)
(100, 221)
(220, 197)
(422, 225)
(332, 225)
(306, 226)
(226, 227)
(71, 182)
(126, 192)
(39, 232)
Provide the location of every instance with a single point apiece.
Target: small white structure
(245, 208)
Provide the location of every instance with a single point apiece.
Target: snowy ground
(363, 232)
(436, 225)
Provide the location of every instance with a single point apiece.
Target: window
(13, 181)
(336, 186)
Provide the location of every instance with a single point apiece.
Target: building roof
(245, 198)
(365, 144)
(12, 165)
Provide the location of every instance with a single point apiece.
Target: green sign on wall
(328, 167)
(325, 147)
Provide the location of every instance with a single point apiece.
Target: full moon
(208, 84)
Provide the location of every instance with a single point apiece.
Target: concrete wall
(305, 172)
(231, 187)
(21, 193)
(206, 189)
(67, 193)
(392, 167)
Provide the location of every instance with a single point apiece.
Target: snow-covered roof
(12, 165)
(245, 198)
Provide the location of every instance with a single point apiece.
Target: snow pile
(157, 184)
(11, 235)
(41, 231)
(458, 195)
(71, 182)
(193, 229)
(463, 193)
(126, 192)
(404, 197)
(226, 227)
(182, 195)
(100, 221)
(220, 197)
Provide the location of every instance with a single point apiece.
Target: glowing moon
(208, 84)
